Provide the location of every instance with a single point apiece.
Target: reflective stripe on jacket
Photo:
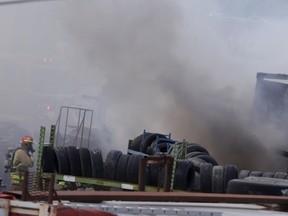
(21, 162)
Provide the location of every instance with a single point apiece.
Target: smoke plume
(186, 67)
(182, 67)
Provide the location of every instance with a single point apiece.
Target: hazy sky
(181, 67)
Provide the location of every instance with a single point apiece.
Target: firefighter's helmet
(26, 140)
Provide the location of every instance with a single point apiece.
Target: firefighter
(22, 160)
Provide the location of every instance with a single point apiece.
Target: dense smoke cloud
(181, 67)
(188, 68)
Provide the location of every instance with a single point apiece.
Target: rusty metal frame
(99, 196)
(27, 194)
(160, 158)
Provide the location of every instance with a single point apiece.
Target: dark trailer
(271, 100)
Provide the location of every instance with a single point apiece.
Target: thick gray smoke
(181, 67)
(186, 67)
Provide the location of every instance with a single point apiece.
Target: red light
(48, 108)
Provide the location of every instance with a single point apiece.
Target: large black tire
(163, 147)
(195, 154)
(75, 161)
(196, 183)
(280, 175)
(148, 140)
(135, 143)
(208, 159)
(97, 163)
(230, 172)
(121, 169)
(243, 174)
(206, 177)
(217, 179)
(191, 148)
(256, 173)
(197, 163)
(86, 163)
(62, 161)
(111, 164)
(133, 168)
(184, 175)
(48, 160)
(268, 174)
(257, 186)
(155, 174)
(196, 147)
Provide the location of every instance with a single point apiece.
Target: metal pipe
(142, 173)
(90, 129)
(66, 123)
(24, 188)
(83, 126)
(168, 174)
(58, 124)
(99, 196)
(51, 188)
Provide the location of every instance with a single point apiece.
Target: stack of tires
(215, 179)
(151, 143)
(71, 160)
(260, 183)
(122, 167)
(125, 168)
(198, 171)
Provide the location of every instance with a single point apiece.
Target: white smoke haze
(185, 67)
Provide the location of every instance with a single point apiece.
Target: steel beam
(99, 196)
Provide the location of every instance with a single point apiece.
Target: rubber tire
(217, 185)
(111, 164)
(194, 154)
(184, 175)
(133, 169)
(230, 172)
(161, 147)
(268, 174)
(206, 177)
(74, 160)
(48, 160)
(154, 173)
(243, 174)
(208, 159)
(135, 143)
(255, 173)
(280, 175)
(86, 163)
(192, 147)
(257, 186)
(62, 161)
(196, 147)
(97, 163)
(197, 163)
(148, 140)
(196, 183)
(121, 169)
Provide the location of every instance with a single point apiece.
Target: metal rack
(85, 182)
